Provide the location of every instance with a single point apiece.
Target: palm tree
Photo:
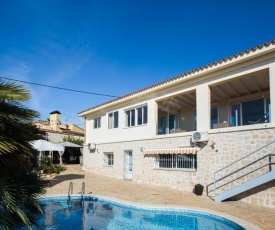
(19, 187)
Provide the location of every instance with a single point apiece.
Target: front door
(128, 165)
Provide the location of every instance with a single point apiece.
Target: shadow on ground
(60, 178)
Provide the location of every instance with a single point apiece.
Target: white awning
(184, 150)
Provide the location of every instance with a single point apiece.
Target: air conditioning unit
(91, 146)
(200, 136)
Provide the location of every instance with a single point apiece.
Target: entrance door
(128, 165)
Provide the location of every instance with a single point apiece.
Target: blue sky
(115, 47)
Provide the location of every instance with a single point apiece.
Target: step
(246, 186)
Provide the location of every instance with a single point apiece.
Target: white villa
(180, 132)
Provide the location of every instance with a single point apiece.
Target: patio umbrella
(70, 144)
(42, 145)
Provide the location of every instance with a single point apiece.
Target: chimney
(55, 120)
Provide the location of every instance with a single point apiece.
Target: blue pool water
(98, 214)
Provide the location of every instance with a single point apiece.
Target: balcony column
(272, 91)
(203, 107)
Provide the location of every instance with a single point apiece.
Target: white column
(152, 118)
(272, 91)
(203, 107)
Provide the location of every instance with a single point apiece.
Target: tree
(20, 188)
(74, 140)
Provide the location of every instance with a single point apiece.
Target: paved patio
(128, 191)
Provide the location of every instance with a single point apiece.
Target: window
(130, 116)
(142, 115)
(136, 116)
(97, 123)
(108, 159)
(177, 161)
(113, 120)
(250, 112)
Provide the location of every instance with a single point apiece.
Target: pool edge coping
(243, 223)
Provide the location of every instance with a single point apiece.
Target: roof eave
(218, 65)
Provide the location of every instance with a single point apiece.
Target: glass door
(128, 165)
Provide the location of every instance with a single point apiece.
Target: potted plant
(198, 190)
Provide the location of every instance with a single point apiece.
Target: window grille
(176, 161)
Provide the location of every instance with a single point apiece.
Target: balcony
(177, 114)
(241, 101)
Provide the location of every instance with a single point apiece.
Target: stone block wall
(228, 147)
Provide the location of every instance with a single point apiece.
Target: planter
(198, 190)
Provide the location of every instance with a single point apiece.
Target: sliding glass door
(251, 112)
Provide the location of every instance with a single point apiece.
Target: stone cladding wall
(228, 147)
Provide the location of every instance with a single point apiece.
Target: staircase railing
(215, 179)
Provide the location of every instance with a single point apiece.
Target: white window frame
(142, 115)
(97, 123)
(112, 124)
(129, 112)
(108, 159)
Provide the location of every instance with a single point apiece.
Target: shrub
(48, 167)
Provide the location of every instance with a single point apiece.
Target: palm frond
(13, 91)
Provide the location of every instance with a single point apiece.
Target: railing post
(214, 185)
(70, 190)
(83, 188)
(270, 167)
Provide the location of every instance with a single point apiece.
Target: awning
(184, 150)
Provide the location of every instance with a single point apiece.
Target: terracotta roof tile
(234, 56)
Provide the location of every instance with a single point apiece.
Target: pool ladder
(70, 191)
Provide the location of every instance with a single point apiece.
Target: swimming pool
(98, 214)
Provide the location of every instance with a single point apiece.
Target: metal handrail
(229, 174)
(70, 191)
(251, 163)
(82, 190)
(255, 151)
(244, 157)
(254, 170)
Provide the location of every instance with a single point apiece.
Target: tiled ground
(97, 185)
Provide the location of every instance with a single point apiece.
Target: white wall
(272, 91)
(103, 134)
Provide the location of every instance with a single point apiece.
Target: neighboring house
(178, 132)
(52, 130)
